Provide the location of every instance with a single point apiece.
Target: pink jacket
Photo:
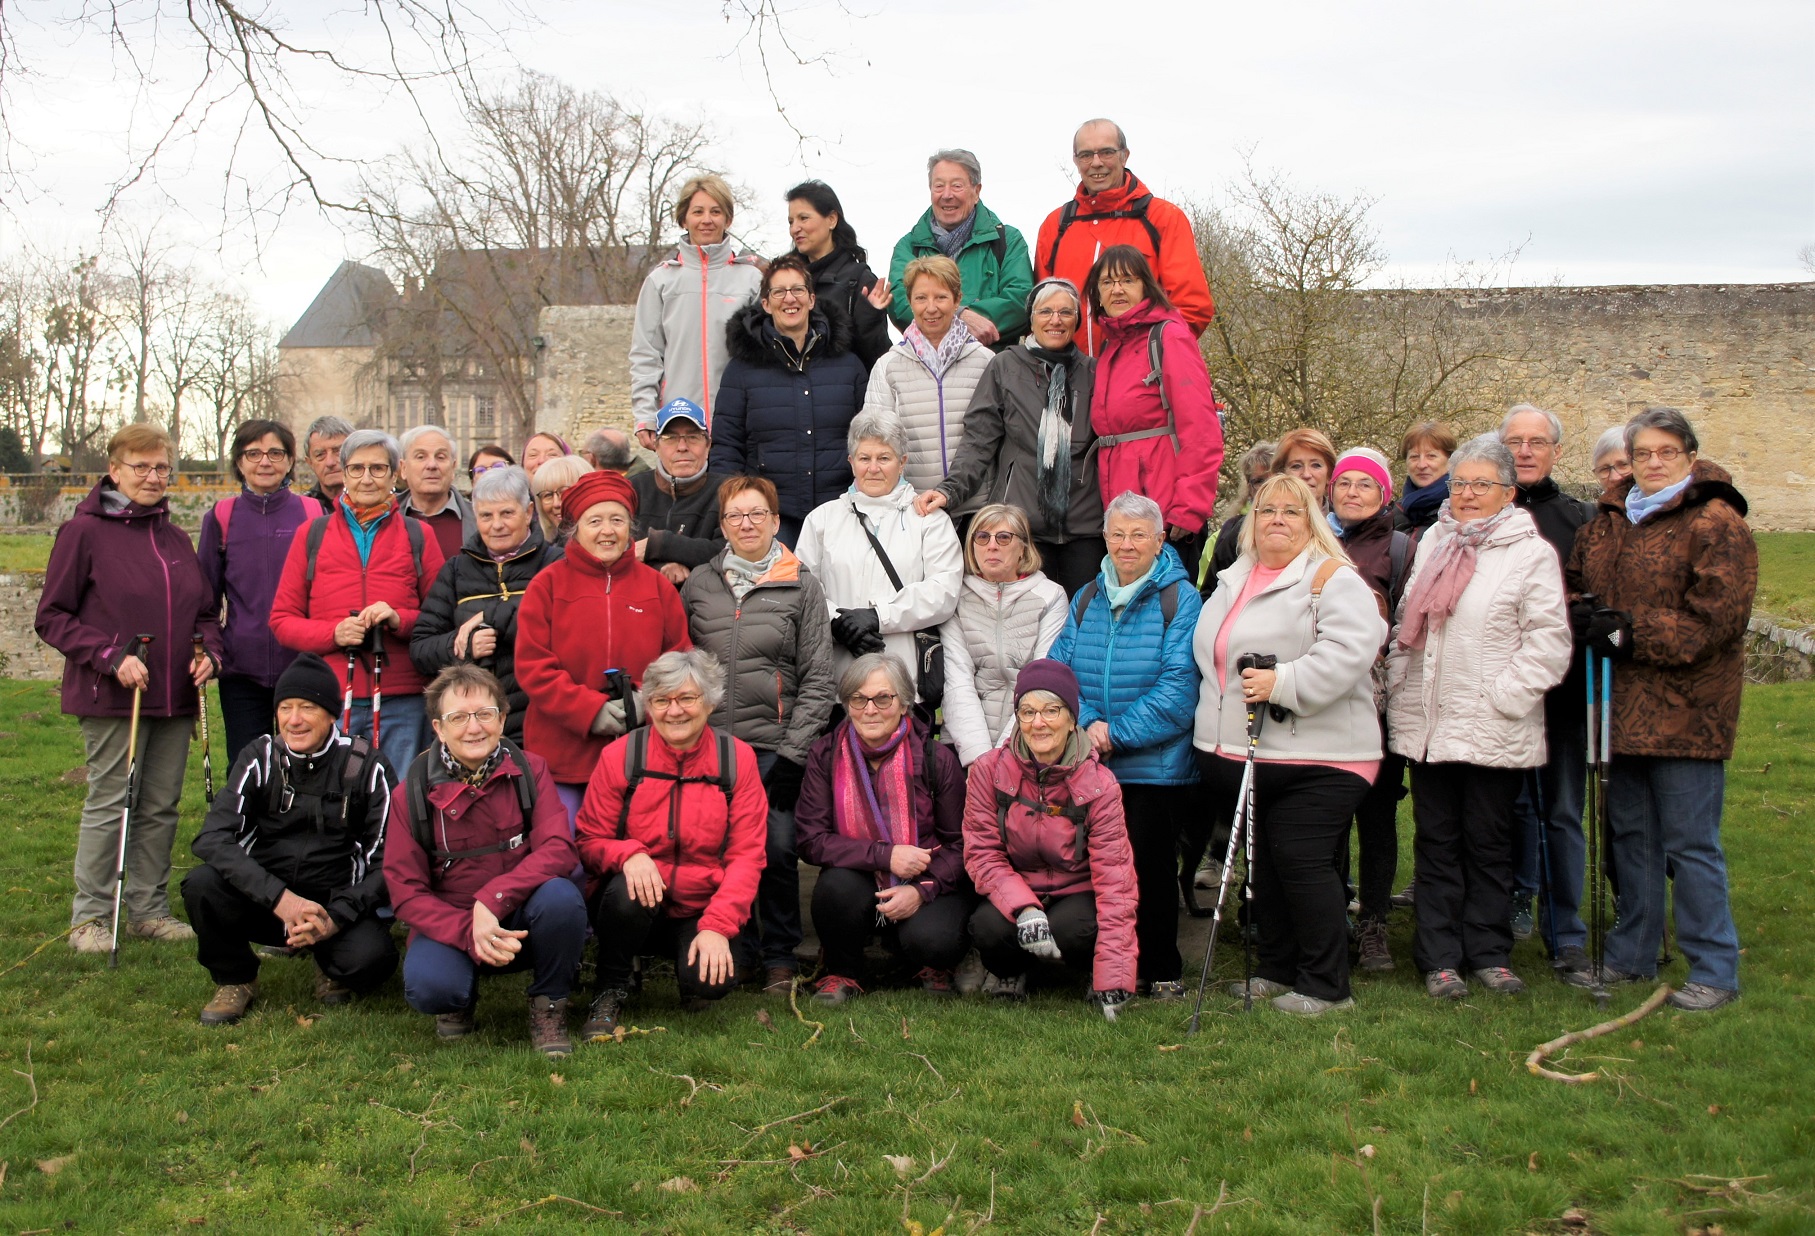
(1180, 477)
(1030, 857)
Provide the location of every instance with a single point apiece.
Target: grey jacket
(677, 345)
(776, 648)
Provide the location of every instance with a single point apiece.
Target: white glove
(1034, 933)
(610, 721)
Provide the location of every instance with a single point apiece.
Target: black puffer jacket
(470, 582)
(681, 522)
(783, 416)
(842, 280)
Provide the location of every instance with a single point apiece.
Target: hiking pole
(1244, 802)
(1606, 821)
(1548, 888)
(201, 694)
(132, 793)
(1596, 794)
(376, 635)
(346, 707)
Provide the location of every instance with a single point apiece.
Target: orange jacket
(1071, 255)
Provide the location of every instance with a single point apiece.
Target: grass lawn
(24, 551)
(1786, 575)
(356, 1120)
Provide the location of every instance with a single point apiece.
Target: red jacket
(1031, 857)
(580, 618)
(711, 859)
(303, 616)
(1176, 263)
(436, 900)
(1182, 477)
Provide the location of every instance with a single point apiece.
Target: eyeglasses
(750, 518)
(1101, 152)
(143, 470)
(482, 469)
(694, 439)
(1279, 512)
(375, 471)
(1054, 313)
(1052, 714)
(1612, 469)
(1118, 281)
(1663, 454)
(686, 703)
(1478, 488)
(1003, 538)
(1129, 538)
(484, 716)
(1528, 444)
(554, 494)
(880, 702)
(790, 293)
(275, 455)
(1357, 484)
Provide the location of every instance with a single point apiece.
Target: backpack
(416, 794)
(318, 529)
(1080, 604)
(223, 515)
(281, 798)
(1077, 813)
(636, 769)
(1156, 354)
(1136, 209)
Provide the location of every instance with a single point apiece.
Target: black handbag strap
(882, 554)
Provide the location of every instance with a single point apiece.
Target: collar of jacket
(1012, 590)
(724, 253)
(264, 504)
(1080, 772)
(443, 787)
(1236, 576)
(983, 232)
(1166, 568)
(1544, 489)
(474, 545)
(582, 559)
(1517, 526)
(784, 572)
(92, 504)
(1374, 527)
(1707, 482)
(1137, 321)
(456, 502)
(679, 489)
(1110, 199)
(309, 761)
(897, 499)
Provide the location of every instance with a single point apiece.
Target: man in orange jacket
(1113, 207)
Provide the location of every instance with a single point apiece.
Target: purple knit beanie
(1048, 675)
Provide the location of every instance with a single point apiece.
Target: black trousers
(1072, 564)
(1463, 865)
(1155, 815)
(844, 918)
(1302, 814)
(228, 923)
(1191, 552)
(248, 710)
(1377, 837)
(1071, 918)
(627, 929)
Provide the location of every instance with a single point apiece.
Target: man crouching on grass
(293, 853)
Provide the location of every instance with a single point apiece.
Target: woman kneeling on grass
(673, 830)
(881, 815)
(1045, 841)
(478, 863)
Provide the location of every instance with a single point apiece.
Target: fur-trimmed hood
(753, 339)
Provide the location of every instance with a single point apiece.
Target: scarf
(1336, 525)
(1440, 585)
(1418, 499)
(879, 805)
(951, 241)
(1119, 595)
(505, 555)
(1639, 508)
(741, 574)
(1077, 746)
(1052, 466)
(363, 522)
(941, 358)
(475, 777)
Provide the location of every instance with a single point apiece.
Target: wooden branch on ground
(819, 1027)
(1534, 1063)
(760, 1129)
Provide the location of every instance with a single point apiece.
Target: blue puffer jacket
(1137, 673)
(784, 417)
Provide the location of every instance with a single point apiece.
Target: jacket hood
(474, 545)
(752, 338)
(92, 504)
(1708, 482)
(1111, 199)
(1079, 769)
(1138, 320)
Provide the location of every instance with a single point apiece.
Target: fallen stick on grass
(1535, 1061)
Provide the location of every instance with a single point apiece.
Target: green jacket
(993, 265)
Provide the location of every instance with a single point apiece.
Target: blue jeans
(439, 979)
(403, 729)
(1665, 811)
(777, 921)
(1560, 785)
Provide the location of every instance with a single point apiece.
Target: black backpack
(318, 529)
(1136, 209)
(416, 793)
(1080, 604)
(636, 770)
(1077, 813)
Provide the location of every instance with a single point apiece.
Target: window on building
(485, 413)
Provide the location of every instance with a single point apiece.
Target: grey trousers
(163, 757)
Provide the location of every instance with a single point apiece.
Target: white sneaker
(1262, 989)
(91, 938)
(1209, 874)
(164, 927)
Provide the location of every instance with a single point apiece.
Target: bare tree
(236, 371)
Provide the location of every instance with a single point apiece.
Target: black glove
(783, 783)
(1581, 612)
(1610, 633)
(859, 630)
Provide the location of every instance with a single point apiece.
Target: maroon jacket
(114, 575)
(938, 818)
(436, 899)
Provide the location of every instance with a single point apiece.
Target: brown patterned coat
(1686, 575)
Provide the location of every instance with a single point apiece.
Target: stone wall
(583, 369)
(22, 653)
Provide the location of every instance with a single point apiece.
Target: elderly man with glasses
(677, 526)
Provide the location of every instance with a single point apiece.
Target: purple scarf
(1433, 598)
(941, 358)
(874, 806)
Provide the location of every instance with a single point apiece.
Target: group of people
(924, 615)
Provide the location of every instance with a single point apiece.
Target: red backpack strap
(223, 515)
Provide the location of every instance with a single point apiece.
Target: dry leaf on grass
(76, 776)
(902, 1163)
(679, 1184)
(50, 1167)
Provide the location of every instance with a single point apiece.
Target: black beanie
(309, 678)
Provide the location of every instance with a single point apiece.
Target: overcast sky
(1607, 142)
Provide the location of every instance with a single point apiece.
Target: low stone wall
(1778, 653)
(22, 653)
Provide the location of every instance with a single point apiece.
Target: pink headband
(1368, 463)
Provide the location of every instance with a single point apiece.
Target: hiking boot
(777, 981)
(1259, 988)
(602, 1018)
(835, 989)
(1570, 957)
(1521, 919)
(1445, 985)
(231, 1000)
(1013, 989)
(548, 1027)
(1376, 957)
(164, 928)
(90, 938)
(1209, 873)
(1309, 1006)
(1584, 977)
(1403, 897)
(455, 1025)
(277, 950)
(937, 982)
(1700, 998)
(1499, 980)
(970, 975)
(1164, 989)
(329, 992)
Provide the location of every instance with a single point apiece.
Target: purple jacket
(244, 575)
(114, 575)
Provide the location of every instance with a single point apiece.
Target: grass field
(24, 551)
(121, 1113)
(1786, 575)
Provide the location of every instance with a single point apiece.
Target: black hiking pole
(1548, 889)
(346, 707)
(132, 794)
(201, 695)
(376, 635)
(1244, 809)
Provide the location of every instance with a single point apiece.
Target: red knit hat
(595, 487)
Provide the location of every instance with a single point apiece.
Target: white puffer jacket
(998, 628)
(677, 343)
(1475, 693)
(931, 409)
(923, 548)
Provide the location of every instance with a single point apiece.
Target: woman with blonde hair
(551, 480)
